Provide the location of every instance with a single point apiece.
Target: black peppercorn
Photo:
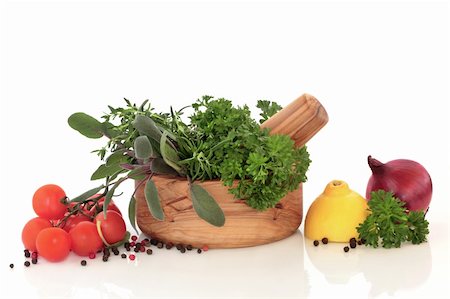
(123, 255)
(83, 263)
(153, 242)
(183, 250)
(27, 253)
(169, 245)
(199, 251)
(27, 264)
(160, 245)
(316, 243)
(359, 242)
(346, 249)
(11, 266)
(149, 251)
(189, 247)
(34, 261)
(105, 258)
(325, 240)
(179, 246)
(353, 245)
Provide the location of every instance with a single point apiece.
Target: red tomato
(53, 244)
(85, 239)
(47, 202)
(73, 220)
(31, 230)
(113, 228)
(99, 206)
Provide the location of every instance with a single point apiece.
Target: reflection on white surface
(274, 270)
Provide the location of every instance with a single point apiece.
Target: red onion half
(407, 179)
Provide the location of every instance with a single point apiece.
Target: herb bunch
(220, 142)
(390, 223)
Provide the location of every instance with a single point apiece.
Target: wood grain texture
(244, 226)
(301, 119)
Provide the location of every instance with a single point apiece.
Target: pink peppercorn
(205, 248)
(92, 255)
(132, 257)
(134, 238)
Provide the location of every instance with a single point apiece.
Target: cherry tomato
(31, 230)
(99, 206)
(113, 228)
(53, 244)
(47, 202)
(73, 220)
(85, 239)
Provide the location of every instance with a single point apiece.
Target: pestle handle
(301, 119)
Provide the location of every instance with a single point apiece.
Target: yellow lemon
(336, 213)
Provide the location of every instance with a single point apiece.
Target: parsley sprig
(390, 223)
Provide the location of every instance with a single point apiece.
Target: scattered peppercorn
(189, 247)
(179, 246)
(34, 261)
(132, 244)
(346, 249)
(11, 266)
(363, 241)
(27, 264)
(205, 248)
(147, 240)
(136, 249)
(134, 238)
(92, 255)
(325, 240)
(27, 253)
(169, 245)
(115, 250)
(149, 251)
(34, 255)
(316, 243)
(132, 257)
(353, 245)
(359, 242)
(123, 255)
(153, 242)
(142, 249)
(83, 263)
(106, 252)
(352, 240)
(199, 251)
(183, 250)
(105, 258)
(138, 246)
(160, 245)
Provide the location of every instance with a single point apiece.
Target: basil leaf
(145, 125)
(206, 207)
(87, 194)
(153, 202)
(86, 125)
(132, 213)
(104, 171)
(142, 147)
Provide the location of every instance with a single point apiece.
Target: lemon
(336, 213)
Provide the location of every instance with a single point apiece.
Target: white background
(380, 69)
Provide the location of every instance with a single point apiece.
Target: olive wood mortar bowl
(244, 226)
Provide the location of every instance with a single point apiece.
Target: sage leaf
(206, 206)
(132, 213)
(104, 171)
(117, 157)
(87, 194)
(109, 196)
(143, 148)
(145, 125)
(169, 155)
(138, 173)
(158, 166)
(153, 201)
(86, 125)
(109, 130)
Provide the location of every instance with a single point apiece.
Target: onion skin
(408, 180)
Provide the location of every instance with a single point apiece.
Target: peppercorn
(138, 246)
(92, 255)
(363, 241)
(160, 245)
(34, 261)
(316, 243)
(149, 251)
(106, 252)
(142, 249)
(34, 255)
(325, 240)
(27, 253)
(147, 240)
(189, 247)
(179, 246)
(132, 257)
(27, 264)
(134, 238)
(11, 266)
(153, 242)
(352, 240)
(353, 245)
(169, 245)
(83, 263)
(205, 248)
(183, 250)
(136, 249)
(115, 250)
(199, 251)
(346, 249)
(105, 258)
(123, 255)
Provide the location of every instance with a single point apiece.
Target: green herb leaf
(87, 194)
(104, 171)
(390, 224)
(268, 109)
(138, 173)
(145, 125)
(110, 194)
(142, 147)
(132, 213)
(169, 154)
(206, 207)
(153, 201)
(158, 166)
(86, 125)
(117, 158)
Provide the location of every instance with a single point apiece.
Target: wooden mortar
(244, 226)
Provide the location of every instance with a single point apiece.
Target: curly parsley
(390, 224)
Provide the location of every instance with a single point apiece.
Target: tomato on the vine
(112, 228)
(73, 220)
(53, 244)
(31, 230)
(47, 202)
(85, 239)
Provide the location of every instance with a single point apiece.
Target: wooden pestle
(301, 119)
